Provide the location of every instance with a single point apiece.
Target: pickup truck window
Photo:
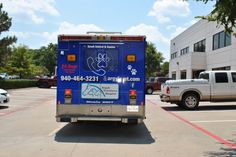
(152, 79)
(221, 78)
(233, 77)
(204, 76)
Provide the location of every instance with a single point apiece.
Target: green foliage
(20, 62)
(46, 57)
(153, 60)
(37, 70)
(13, 84)
(224, 14)
(5, 42)
(165, 69)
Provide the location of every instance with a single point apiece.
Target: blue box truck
(101, 78)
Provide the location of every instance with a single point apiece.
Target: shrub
(21, 83)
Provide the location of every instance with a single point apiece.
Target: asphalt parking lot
(28, 128)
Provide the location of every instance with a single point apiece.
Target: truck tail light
(68, 96)
(68, 92)
(132, 92)
(132, 97)
(167, 90)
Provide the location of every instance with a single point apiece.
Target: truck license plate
(132, 108)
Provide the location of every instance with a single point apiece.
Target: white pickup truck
(211, 86)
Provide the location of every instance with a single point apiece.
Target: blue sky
(38, 22)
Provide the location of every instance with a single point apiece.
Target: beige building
(203, 46)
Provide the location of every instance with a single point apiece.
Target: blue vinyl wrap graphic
(101, 73)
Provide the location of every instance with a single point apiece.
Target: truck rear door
(98, 62)
(110, 72)
(221, 88)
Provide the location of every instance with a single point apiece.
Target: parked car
(4, 76)
(4, 96)
(211, 86)
(154, 83)
(47, 82)
(14, 77)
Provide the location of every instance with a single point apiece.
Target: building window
(200, 46)
(227, 39)
(184, 51)
(233, 77)
(196, 73)
(221, 39)
(221, 78)
(173, 55)
(204, 76)
(183, 75)
(173, 75)
(222, 68)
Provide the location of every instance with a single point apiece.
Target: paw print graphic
(129, 67)
(133, 71)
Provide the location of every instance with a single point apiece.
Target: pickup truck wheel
(149, 91)
(190, 101)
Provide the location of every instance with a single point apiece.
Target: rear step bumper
(75, 112)
(121, 119)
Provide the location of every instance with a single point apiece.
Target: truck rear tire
(149, 90)
(190, 101)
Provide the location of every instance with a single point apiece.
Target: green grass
(18, 83)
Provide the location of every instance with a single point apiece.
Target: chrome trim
(165, 98)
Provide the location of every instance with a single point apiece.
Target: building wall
(207, 60)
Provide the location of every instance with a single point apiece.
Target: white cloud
(153, 34)
(180, 29)
(69, 28)
(64, 28)
(30, 8)
(171, 27)
(163, 10)
(192, 22)
(177, 31)
(22, 35)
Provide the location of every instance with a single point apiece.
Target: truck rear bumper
(123, 113)
(165, 98)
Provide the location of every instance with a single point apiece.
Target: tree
(5, 42)
(224, 14)
(165, 69)
(153, 60)
(46, 57)
(20, 61)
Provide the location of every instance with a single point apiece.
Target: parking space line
(212, 121)
(2, 114)
(208, 133)
(204, 111)
(25, 107)
(13, 111)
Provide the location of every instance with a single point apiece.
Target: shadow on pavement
(201, 108)
(3, 107)
(104, 132)
(223, 152)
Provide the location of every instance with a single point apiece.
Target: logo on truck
(101, 60)
(92, 91)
